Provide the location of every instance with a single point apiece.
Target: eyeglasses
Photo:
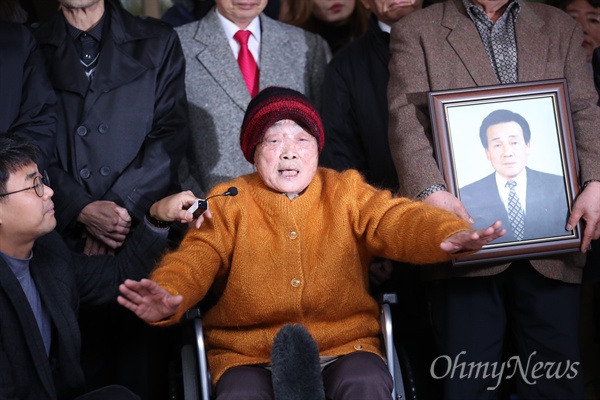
(38, 186)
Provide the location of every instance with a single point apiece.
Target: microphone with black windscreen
(232, 191)
(199, 207)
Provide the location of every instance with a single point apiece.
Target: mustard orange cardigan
(277, 261)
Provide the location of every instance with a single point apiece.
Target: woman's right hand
(148, 300)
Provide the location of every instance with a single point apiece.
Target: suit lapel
(274, 42)
(116, 66)
(53, 296)
(11, 286)
(466, 42)
(64, 67)
(500, 211)
(532, 45)
(214, 53)
(533, 210)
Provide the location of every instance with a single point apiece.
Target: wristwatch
(156, 222)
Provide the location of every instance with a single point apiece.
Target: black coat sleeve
(28, 101)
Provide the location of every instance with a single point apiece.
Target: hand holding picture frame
(508, 153)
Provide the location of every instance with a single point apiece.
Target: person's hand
(94, 246)
(472, 240)
(587, 206)
(106, 221)
(148, 300)
(449, 202)
(174, 208)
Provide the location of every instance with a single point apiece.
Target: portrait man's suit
(218, 96)
(546, 207)
(27, 101)
(64, 280)
(439, 48)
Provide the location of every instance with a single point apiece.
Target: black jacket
(27, 101)
(63, 280)
(122, 139)
(355, 109)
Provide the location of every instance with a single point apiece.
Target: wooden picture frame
(464, 121)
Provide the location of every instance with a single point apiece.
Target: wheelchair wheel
(189, 366)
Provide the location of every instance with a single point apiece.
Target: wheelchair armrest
(193, 313)
(387, 298)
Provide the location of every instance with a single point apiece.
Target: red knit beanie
(274, 104)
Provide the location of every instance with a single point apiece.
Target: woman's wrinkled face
(287, 158)
(333, 11)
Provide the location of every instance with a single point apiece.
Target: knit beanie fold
(274, 104)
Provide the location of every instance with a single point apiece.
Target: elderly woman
(294, 246)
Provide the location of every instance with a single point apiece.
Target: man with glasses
(39, 182)
(42, 282)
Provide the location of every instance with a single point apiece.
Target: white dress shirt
(253, 41)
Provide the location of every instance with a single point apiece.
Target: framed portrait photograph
(508, 153)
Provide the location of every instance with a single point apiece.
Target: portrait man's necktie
(246, 62)
(516, 215)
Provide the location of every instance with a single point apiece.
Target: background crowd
(127, 110)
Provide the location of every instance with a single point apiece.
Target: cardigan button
(293, 235)
(295, 282)
(358, 347)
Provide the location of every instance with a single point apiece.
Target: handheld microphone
(199, 207)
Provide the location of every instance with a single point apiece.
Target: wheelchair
(196, 374)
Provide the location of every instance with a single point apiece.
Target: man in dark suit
(42, 283)
(122, 132)
(27, 103)
(532, 302)
(122, 125)
(355, 107)
(505, 136)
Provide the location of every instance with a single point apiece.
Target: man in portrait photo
(531, 204)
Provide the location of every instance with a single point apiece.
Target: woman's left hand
(472, 240)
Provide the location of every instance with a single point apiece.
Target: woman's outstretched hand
(148, 300)
(472, 239)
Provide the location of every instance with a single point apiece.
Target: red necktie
(246, 62)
